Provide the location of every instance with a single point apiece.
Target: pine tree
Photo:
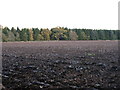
(4, 38)
(24, 35)
(11, 36)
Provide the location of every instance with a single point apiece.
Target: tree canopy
(57, 33)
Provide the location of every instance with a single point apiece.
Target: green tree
(40, 37)
(5, 30)
(11, 36)
(106, 34)
(13, 30)
(18, 30)
(17, 37)
(4, 38)
(94, 35)
(24, 35)
(36, 32)
(101, 34)
(82, 35)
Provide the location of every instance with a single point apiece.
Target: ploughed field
(60, 64)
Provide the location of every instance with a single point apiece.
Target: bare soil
(60, 64)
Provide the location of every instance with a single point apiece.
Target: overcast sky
(91, 14)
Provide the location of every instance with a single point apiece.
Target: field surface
(60, 64)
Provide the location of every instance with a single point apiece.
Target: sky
(90, 14)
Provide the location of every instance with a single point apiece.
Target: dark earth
(60, 64)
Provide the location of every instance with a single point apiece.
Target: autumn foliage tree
(46, 34)
(57, 33)
(30, 35)
(73, 35)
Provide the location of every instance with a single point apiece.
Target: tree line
(57, 33)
